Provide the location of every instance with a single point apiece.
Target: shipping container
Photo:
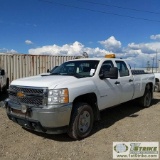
(24, 65)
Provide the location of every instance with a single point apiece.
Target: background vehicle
(4, 81)
(157, 78)
(70, 98)
(157, 82)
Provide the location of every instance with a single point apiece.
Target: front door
(109, 90)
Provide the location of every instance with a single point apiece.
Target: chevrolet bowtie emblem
(20, 94)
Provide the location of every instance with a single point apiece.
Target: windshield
(79, 69)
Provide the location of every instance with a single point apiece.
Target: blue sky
(129, 28)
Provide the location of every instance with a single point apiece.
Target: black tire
(81, 122)
(4, 90)
(0, 89)
(146, 99)
(7, 83)
(157, 87)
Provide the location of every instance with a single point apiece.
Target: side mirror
(47, 70)
(53, 69)
(2, 72)
(112, 74)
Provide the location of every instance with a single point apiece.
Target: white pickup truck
(70, 98)
(4, 81)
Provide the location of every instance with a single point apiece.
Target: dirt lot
(127, 122)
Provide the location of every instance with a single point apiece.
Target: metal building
(24, 65)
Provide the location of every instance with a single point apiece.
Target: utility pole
(152, 65)
(148, 66)
(156, 60)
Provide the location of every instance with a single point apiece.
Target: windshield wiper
(55, 74)
(76, 75)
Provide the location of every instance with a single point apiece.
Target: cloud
(139, 54)
(74, 49)
(155, 37)
(111, 44)
(28, 42)
(12, 51)
(135, 53)
(147, 48)
(8, 51)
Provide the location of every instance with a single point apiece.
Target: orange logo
(20, 94)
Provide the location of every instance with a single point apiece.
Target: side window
(123, 70)
(106, 66)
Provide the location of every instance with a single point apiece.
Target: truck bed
(137, 72)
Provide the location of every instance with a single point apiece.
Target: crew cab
(70, 98)
(4, 81)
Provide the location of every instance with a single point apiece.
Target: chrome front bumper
(51, 119)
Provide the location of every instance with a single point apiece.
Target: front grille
(26, 90)
(35, 101)
(32, 96)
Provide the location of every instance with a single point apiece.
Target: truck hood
(43, 81)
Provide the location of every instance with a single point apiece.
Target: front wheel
(4, 89)
(81, 121)
(146, 99)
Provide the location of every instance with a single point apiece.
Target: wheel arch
(91, 99)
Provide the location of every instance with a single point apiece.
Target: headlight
(58, 96)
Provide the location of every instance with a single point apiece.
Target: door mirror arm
(101, 76)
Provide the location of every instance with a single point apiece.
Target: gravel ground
(127, 122)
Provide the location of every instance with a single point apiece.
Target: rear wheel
(146, 99)
(81, 121)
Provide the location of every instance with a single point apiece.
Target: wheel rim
(84, 121)
(147, 99)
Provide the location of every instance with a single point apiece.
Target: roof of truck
(99, 59)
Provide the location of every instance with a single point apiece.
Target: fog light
(24, 109)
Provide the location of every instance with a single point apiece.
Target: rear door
(125, 81)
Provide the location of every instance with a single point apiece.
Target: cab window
(122, 67)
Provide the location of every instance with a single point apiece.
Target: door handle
(117, 82)
(131, 80)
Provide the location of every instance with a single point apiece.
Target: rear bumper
(51, 119)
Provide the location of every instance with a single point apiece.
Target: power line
(103, 12)
(104, 4)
